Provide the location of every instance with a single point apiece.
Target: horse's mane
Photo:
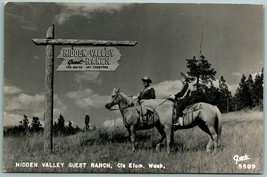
(128, 100)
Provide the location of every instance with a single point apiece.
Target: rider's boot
(179, 122)
(142, 120)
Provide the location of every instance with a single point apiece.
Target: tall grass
(242, 134)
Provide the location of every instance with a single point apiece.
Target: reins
(161, 103)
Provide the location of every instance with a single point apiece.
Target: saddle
(187, 113)
(145, 113)
(192, 108)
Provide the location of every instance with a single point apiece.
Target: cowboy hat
(146, 79)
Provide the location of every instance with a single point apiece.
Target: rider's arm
(152, 94)
(182, 92)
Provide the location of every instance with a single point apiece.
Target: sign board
(89, 59)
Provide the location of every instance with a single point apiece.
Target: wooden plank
(83, 42)
(49, 93)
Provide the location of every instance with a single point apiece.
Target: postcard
(163, 88)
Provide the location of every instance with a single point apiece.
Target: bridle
(112, 102)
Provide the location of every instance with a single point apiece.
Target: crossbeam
(83, 42)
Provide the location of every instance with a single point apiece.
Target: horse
(131, 117)
(206, 116)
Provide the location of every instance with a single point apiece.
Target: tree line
(249, 93)
(60, 128)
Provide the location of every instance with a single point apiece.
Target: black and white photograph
(159, 88)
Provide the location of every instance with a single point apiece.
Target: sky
(167, 35)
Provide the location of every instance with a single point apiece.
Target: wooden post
(49, 93)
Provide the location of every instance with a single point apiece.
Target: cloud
(32, 105)
(87, 76)
(31, 28)
(239, 74)
(59, 106)
(85, 10)
(14, 119)
(11, 119)
(24, 102)
(36, 57)
(254, 74)
(233, 88)
(35, 103)
(86, 98)
(25, 24)
(236, 74)
(166, 88)
(10, 90)
(114, 124)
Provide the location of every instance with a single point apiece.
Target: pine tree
(225, 98)
(24, 123)
(200, 71)
(55, 129)
(36, 125)
(87, 121)
(213, 94)
(70, 129)
(61, 124)
(257, 90)
(243, 93)
(70, 124)
(250, 84)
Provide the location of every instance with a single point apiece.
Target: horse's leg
(210, 144)
(214, 137)
(129, 134)
(162, 133)
(168, 131)
(132, 128)
(203, 126)
(172, 137)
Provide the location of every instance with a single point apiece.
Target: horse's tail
(218, 126)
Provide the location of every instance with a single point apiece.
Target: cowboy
(182, 101)
(147, 93)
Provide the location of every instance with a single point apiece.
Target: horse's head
(114, 99)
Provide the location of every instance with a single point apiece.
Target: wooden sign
(89, 59)
(75, 59)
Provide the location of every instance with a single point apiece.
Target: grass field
(242, 135)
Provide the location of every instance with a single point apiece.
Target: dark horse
(206, 116)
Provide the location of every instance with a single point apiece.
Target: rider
(147, 93)
(181, 100)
